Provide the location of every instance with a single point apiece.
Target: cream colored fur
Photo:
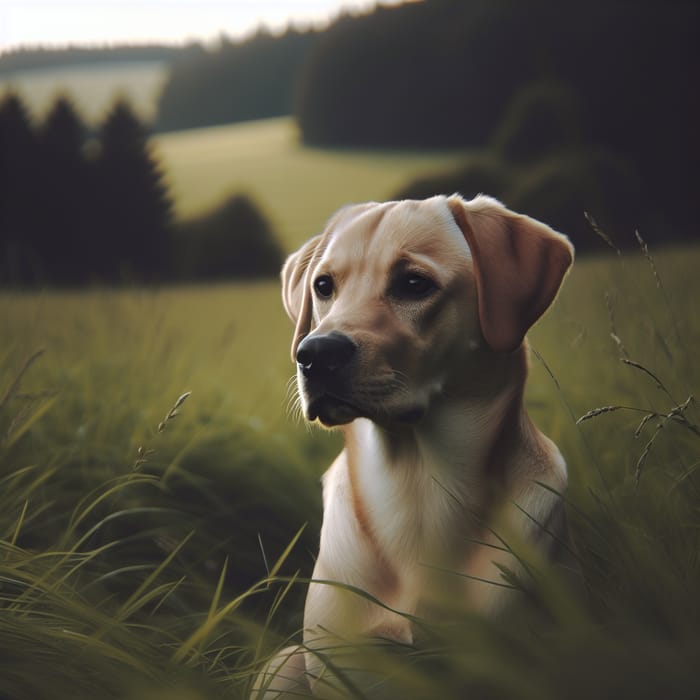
(439, 448)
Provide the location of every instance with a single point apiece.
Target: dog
(410, 321)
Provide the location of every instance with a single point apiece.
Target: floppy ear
(519, 265)
(296, 288)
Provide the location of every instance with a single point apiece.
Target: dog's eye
(413, 286)
(324, 286)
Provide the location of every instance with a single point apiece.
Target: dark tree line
(585, 105)
(239, 81)
(622, 76)
(443, 72)
(77, 207)
(38, 58)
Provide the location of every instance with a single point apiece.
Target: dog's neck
(463, 428)
(432, 472)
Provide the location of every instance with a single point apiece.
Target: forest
(239, 81)
(78, 207)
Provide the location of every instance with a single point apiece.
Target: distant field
(93, 87)
(297, 187)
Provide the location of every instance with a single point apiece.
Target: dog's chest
(419, 508)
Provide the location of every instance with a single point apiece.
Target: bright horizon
(49, 24)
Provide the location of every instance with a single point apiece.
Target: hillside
(297, 187)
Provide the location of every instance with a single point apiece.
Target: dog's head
(396, 303)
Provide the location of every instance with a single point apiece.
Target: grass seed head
(597, 412)
(599, 231)
(174, 411)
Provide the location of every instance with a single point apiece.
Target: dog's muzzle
(322, 360)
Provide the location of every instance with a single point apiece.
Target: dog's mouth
(332, 410)
(410, 415)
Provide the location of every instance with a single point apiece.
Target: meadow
(92, 86)
(145, 556)
(159, 505)
(297, 187)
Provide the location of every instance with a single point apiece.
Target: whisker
(293, 403)
(291, 385)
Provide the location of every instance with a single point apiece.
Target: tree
(64, 215)
(18, 258)
(133, 226)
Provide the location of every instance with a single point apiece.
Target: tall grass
(117, 519)
(149, 556)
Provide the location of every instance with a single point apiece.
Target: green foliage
(233, 240)
(130, 564)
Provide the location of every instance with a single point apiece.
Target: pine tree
(133, 226)
(64, 215)
(18, 193)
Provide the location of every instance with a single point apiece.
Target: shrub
(560, 189)
(542, 118)
(482, 175)
(233, 240)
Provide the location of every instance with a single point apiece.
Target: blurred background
(168, 140)
(158, 160)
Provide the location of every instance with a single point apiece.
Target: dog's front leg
(339, 663)
(284, 677)
(347, 613)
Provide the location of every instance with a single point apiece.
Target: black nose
(321, 355)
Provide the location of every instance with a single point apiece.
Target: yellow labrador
(410, 336)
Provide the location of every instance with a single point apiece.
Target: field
(298, 188)
(148, 551)
(126, 549)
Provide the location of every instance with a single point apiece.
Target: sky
(62, 22)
